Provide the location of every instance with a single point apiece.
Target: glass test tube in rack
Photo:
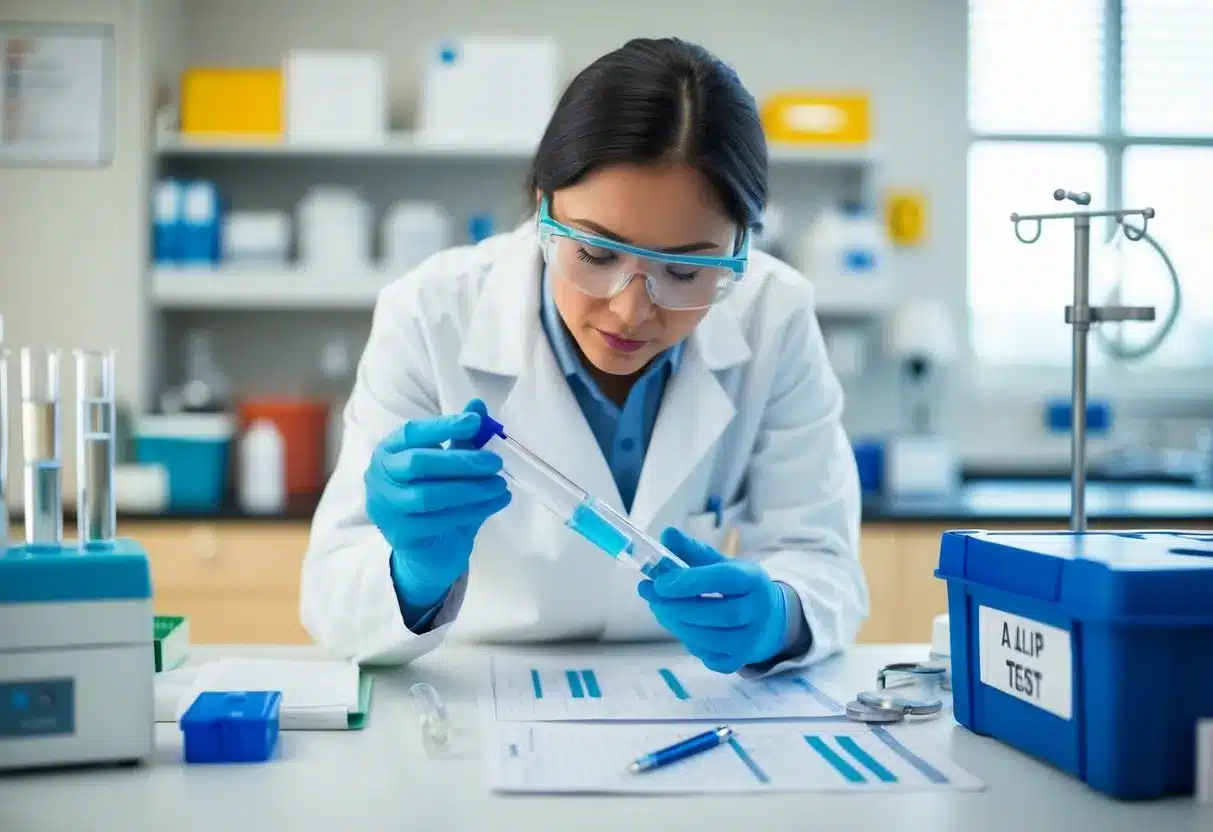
(42, 453)
(96, 514)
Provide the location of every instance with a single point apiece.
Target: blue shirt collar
(567, 357)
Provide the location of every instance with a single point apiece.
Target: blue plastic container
(1093, 652)
(195, 450)
(869, 461)
(231, 726)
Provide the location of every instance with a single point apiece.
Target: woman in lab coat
(694, 395)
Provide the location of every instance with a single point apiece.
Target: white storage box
(334, 230)
(483, 89)
(335, 97)
(412, 231)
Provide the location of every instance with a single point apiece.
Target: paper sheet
(762, 757)
(647, 689)
(315, 694)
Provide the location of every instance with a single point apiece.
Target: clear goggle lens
(603, 272)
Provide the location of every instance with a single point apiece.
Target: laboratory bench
(236, 576)
(381, 778)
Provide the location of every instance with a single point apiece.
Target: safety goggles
(603, 268)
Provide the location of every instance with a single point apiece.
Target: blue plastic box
(231, 726)
(1093, 651)
(195, 450)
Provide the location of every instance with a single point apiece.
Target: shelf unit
(271, 324)
(286, 289)
(405, 145)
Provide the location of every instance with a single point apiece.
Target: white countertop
(380, 779)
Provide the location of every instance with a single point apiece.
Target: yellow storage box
(232, 102)
(805, 117)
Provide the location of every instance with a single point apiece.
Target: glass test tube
(96, 516)
(4, 431)
(583, 513)
(43, 469)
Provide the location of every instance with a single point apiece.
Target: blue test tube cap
(231, 726)
(489, 427)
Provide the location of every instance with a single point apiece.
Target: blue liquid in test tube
(585, 514)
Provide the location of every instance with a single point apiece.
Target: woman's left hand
(745, 625)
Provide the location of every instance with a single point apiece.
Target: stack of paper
(791, 732)
(770, 757)
(316, 695)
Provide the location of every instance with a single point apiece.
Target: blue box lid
(214, 708)
(1095, 575)
(119, 572)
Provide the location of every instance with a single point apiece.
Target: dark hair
(652, 101)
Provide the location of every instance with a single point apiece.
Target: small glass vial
(436, 735)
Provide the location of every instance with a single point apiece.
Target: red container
(303, 424)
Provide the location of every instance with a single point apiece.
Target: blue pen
(715, 506)
(681, 750)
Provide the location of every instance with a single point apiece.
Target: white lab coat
(752, 413)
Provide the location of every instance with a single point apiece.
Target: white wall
(71, 250)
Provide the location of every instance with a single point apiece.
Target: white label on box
(1204, 761)
(1028, 660)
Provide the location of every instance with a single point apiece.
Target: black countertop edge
(996, 501)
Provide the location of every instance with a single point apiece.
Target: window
(1106, 96)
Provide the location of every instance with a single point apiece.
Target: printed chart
(809, 757)
(638, 689)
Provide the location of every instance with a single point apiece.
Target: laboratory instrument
(231, 726)
(40, 440)
(1089, 651)
(96, 512)
(921, 461)
(883, 706)
(76, 654)
(681, 750)
(1081, 315)
(584, 513)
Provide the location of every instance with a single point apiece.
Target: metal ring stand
(1081, 315)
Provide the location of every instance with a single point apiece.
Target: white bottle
(262, 485)
(336, 381)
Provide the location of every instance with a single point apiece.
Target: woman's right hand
(429, 502)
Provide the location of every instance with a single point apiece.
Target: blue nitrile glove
(747, 625)
(429, 502)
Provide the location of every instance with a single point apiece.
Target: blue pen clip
(715, 506)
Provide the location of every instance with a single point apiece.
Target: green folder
(357, 719)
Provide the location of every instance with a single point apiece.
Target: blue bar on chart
(574, 680)
(536, 684)
(755, 769)
(866, 760)
(672, 681)
(591, 684)
(924, 768)
(832, 757)
(811, 690)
